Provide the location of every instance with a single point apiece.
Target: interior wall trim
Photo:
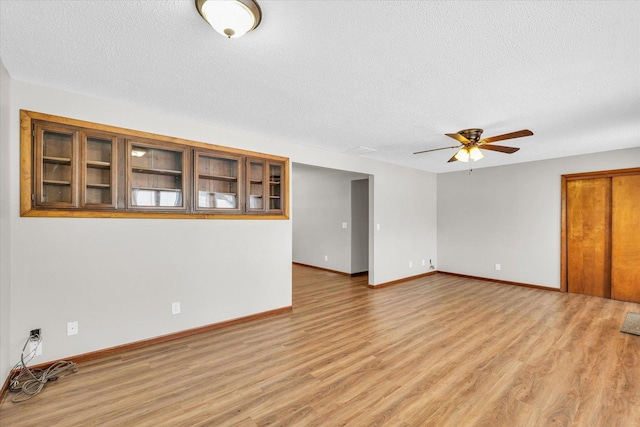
(327, 269)
(504, 282)
(397, 282)
(152, 341)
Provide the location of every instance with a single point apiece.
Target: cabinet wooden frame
(120, 204)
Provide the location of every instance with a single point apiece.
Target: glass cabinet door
(99, 171)
(217, 182)
(55, 163)
(265, 186)
(156, 176)
(256, 193)
(275, 187)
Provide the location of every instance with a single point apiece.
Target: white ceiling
(389, 75)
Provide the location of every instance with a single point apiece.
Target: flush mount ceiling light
(231, 18)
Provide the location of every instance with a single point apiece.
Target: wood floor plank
(437, 350)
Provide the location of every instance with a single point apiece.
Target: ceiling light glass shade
(462, 155)
(231, 18)
(475, 154)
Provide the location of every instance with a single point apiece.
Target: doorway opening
(331, 212)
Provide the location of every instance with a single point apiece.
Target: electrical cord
(29, 382)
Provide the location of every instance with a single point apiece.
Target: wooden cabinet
(99, 178)
(256, 189)
(237, 184)
(217, 182)
(264, 186)
(75, 168)
(56, 163)
(276, 173)
(156, 176)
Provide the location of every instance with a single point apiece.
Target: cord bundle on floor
(29, 382)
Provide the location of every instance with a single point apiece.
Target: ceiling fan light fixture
(230, 18)
(462, 155)
(475, 154)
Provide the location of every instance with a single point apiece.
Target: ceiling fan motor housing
(472, 135)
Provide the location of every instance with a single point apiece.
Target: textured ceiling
(393, 76)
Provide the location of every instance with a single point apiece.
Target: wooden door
(625, 242)
(589, 236)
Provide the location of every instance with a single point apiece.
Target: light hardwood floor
(436, 351)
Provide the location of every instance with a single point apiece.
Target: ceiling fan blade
(436, 149)
(461, 139)
(518, 134)
(500, 148)
(453, 159)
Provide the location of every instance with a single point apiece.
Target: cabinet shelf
(59, 160)
(216, 192)
(218, 177)
(99, 185)
(98, 164)
(178, 190)
(156, 171)
(54, 182)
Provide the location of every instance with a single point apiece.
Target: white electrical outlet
(35, 347)
(72, 328)
(378, 227)
(175, 308)
(424, 262)
(410, 264)
(344, 225)
(326, 257)
(498, 267)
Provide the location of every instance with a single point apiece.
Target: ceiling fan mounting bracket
(472, 135)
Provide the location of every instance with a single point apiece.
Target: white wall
(118, 277)
(359, 226)
(510, 215)
(404, 211)
(5, 247)
(321, 200)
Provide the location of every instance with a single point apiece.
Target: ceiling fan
(471, 144)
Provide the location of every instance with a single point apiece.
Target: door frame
(563, 211)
